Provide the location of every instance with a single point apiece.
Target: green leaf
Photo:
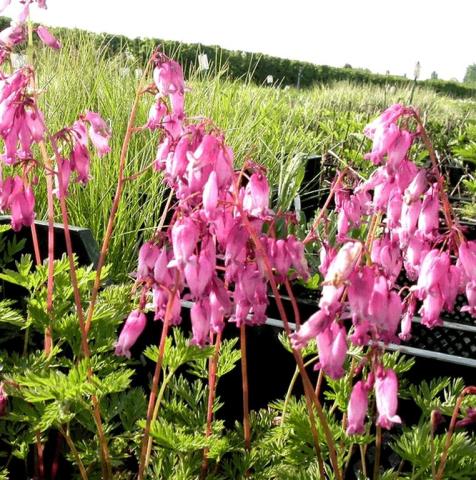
(11, 316)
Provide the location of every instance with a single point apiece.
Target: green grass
(269, 125)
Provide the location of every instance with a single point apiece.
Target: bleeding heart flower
(386, 390)
(131, 331)
(357, 410)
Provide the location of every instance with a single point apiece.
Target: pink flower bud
(469, 419)
(357, 410)
(48, 38)
(131, 331)
(386, 391)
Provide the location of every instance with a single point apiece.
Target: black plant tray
(84, 245)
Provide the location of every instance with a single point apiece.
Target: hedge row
(251, 65)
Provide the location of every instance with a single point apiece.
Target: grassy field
(268, 124)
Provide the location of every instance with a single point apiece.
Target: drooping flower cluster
(399, 205)
(22, 126)
(207, 255)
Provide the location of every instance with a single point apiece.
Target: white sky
(377, 34)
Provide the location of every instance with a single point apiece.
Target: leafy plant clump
(76, 399)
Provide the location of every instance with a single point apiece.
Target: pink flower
(434, 268)
(317, 323)
(99, 133)
(198, 273)
(79, 159)
(389, 116)
(220, 305)
(416, 251)
(394, 209)
(131, 331)
(384, 135)
(20, 200)
(162, 274)
(386, 253)
(406, 324)
(357, 410)
(210, 195)
(148, 255)
(343, 263)
(471, 296)
(332, 349)
(280, 256)
(3, 401)
(185, 236)
(409, 219)
(385, 310)
(359, 291)
(431, 309)
(428, 221)
(156, 113)
(467, 258)
(236, 243)
(256, 198)
(296, 253)
(416, 187)
(386, 390)
(168, 77)
(200, 317)
(47, 38)
(326, 255)
(161, 300)
(12, 35)
(398, 150)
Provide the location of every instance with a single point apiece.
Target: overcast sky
(377, 34)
